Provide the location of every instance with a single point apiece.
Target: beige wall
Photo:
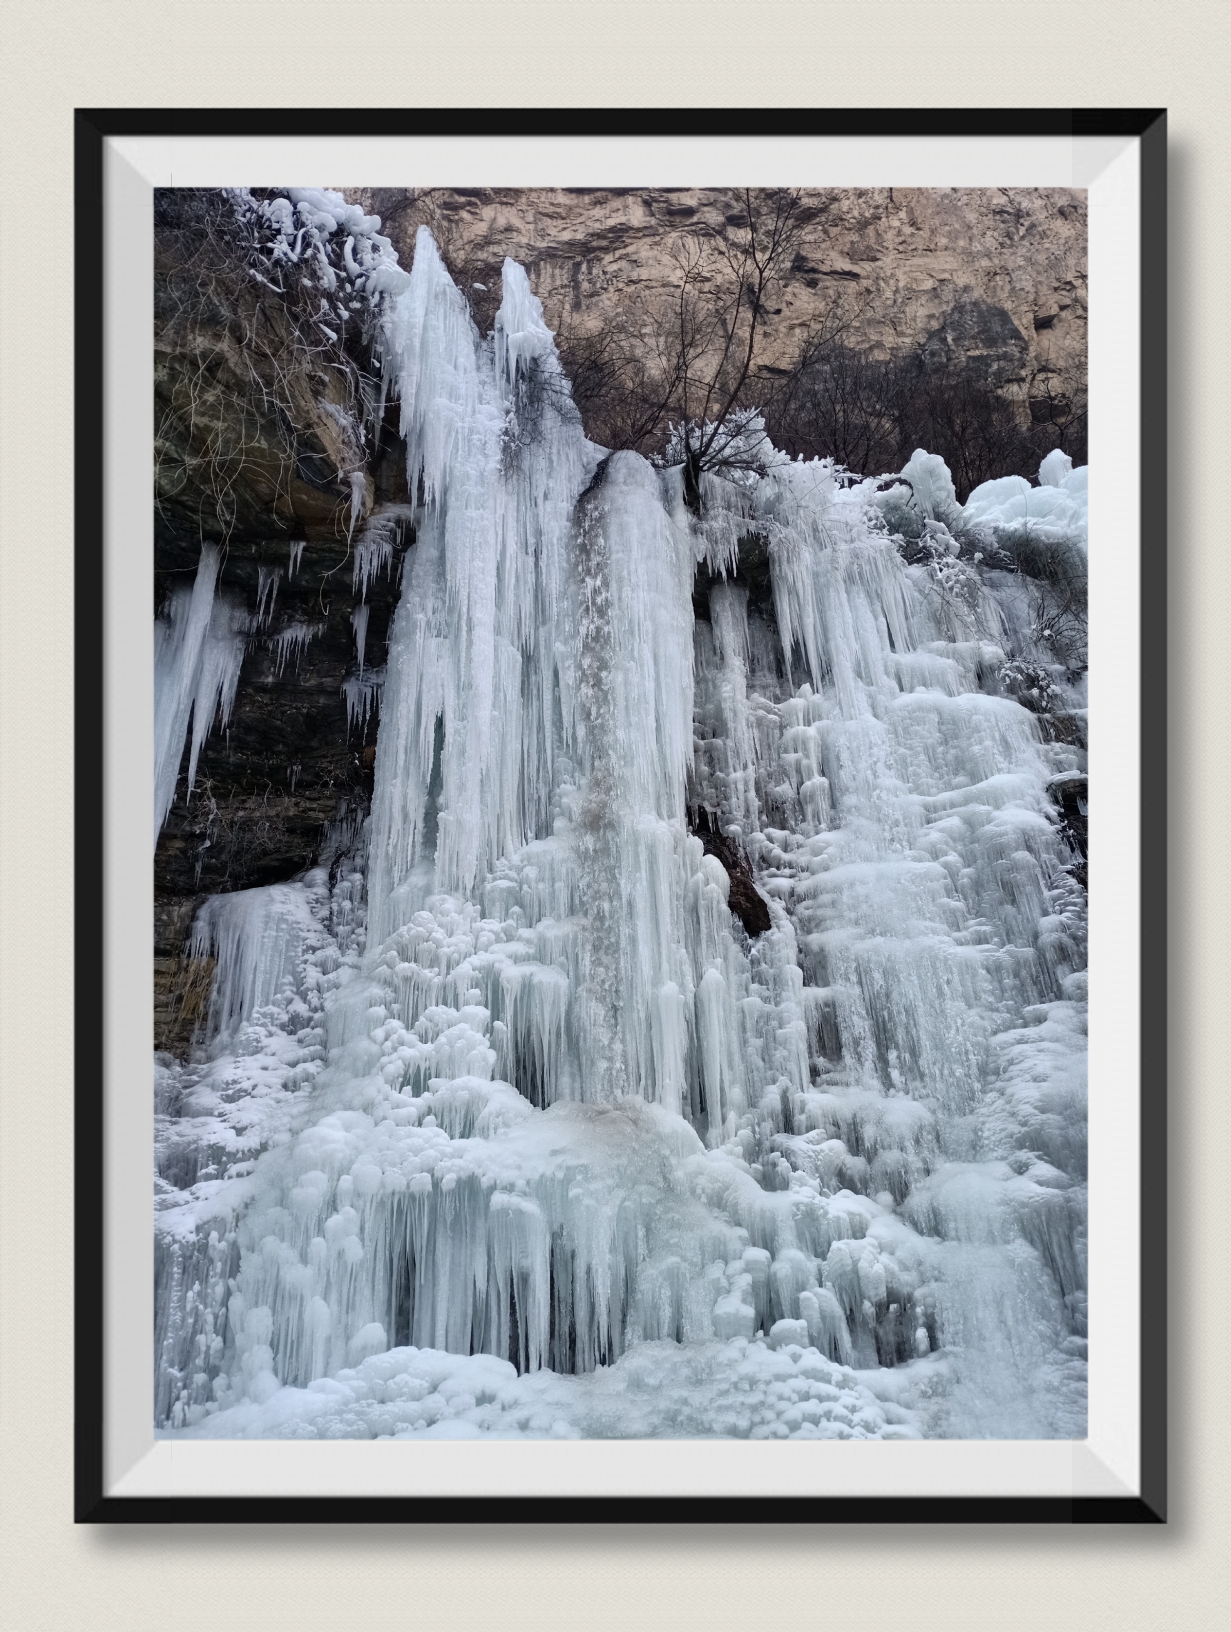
(977, 52)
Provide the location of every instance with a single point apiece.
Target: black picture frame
(92, 130)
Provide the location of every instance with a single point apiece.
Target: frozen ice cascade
(503, 1123)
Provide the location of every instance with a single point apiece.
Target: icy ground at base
(736, 1390)
(502, 1121)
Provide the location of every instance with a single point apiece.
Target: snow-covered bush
(267, 310)
(738, 449)
(1029, 684)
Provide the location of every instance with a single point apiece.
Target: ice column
(496, 453)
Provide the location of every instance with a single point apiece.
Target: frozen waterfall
(513, 1127)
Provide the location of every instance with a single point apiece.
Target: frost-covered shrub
(738, 448)
(338, 247)
(267, 309)
(902, 516)
(950, 584)
(1032, 686)
(920, 503)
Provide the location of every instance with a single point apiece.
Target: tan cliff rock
(997, 276)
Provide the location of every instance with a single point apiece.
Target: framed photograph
(634, 1012)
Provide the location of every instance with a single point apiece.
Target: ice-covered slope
(518, 1084)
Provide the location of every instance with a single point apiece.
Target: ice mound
(1056, 510)
(735, 1390)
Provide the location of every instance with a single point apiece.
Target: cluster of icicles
(522, 1085)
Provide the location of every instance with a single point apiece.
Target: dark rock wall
(248, 457)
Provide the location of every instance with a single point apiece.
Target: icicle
(362, 693)
(358, 498)
(359, 623)
(268, 579)
(198, 652)
(483, 621)
(221, 659)
(375, 543)
(178, 644)
(295, 638)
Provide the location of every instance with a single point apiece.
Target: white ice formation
(514, 1128)
(198, 649)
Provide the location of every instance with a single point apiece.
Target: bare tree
(844, 404)
(1059, 418)
(722, 322)
(678, 380)
(624, 378)
(870, 414)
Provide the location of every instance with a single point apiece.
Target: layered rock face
(262, 452)
(993, 276)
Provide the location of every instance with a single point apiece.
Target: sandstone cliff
(993, 276)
